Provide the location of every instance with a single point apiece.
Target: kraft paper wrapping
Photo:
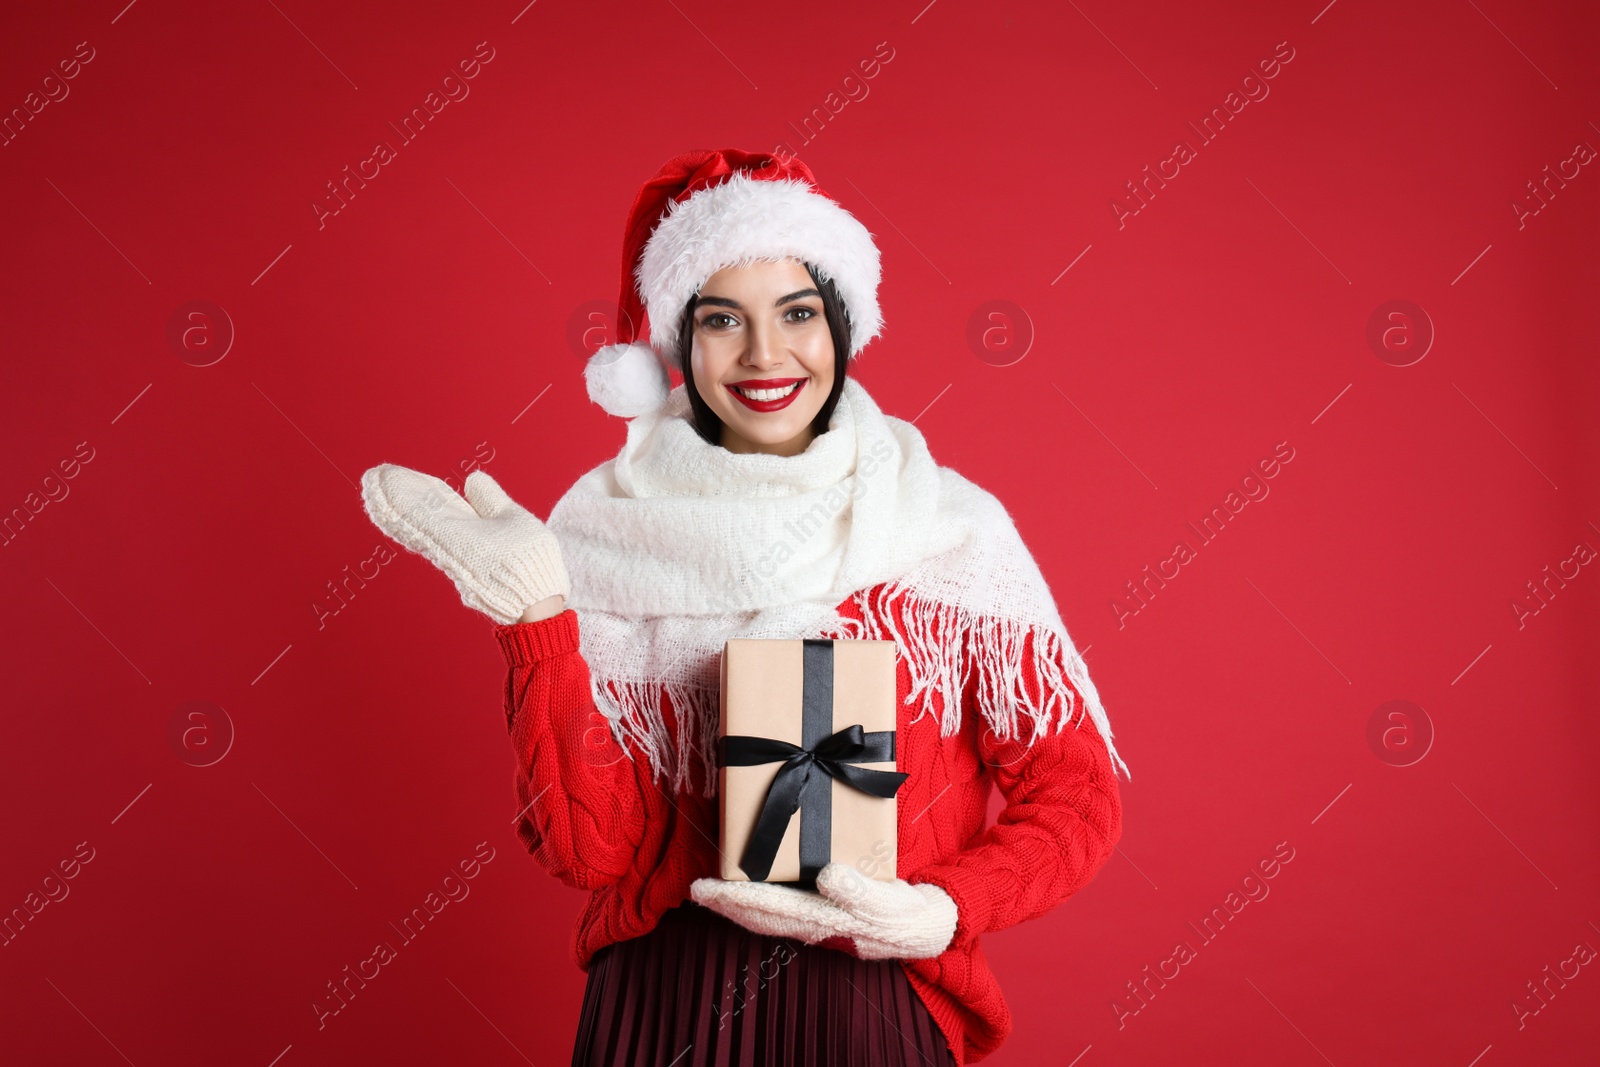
(763, 684)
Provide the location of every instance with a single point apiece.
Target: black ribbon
(795, 787)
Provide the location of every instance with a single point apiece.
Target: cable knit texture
(598, 819)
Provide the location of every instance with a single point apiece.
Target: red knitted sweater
(597, 819)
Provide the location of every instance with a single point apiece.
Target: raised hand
(501, 558)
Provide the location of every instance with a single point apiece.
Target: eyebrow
(719, 301)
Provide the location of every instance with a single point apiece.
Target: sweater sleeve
(578, 797)
(1062, 817)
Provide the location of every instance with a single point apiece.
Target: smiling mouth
(767, 394)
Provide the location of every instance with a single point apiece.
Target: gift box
(806, 759)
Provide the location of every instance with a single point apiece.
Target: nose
(765, 348)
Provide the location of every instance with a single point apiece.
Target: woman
(768, 497)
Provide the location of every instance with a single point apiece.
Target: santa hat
(707, 210)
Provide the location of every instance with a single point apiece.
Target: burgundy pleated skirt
(700, 990)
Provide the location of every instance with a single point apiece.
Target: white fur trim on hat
(745, 219)
(627, 380)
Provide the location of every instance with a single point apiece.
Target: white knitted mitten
(886, 920)
(501, 558)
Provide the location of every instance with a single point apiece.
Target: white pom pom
(627, 380)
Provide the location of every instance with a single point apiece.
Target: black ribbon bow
(835, 756)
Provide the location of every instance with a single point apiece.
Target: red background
(1228, 315)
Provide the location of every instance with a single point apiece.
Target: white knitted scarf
(676, 545)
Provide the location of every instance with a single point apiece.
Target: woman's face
(761, 328)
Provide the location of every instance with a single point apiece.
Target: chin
(770, 433)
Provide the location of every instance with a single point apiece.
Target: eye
(714, 321)
(806, 314)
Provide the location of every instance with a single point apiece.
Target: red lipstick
(766, 383)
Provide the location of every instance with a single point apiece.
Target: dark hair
(705, 420)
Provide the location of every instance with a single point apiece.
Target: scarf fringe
(634, 710)
(931, 640)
